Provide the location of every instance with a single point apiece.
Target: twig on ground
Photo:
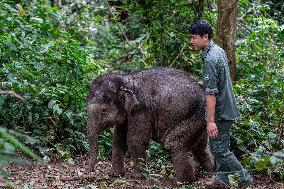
(12, 93)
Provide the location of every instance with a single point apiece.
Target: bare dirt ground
(63, 175)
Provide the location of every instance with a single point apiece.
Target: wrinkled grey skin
(162, 104)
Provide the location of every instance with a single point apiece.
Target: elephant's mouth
(107, 123)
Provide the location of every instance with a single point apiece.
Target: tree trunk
(199, 8)
(226, 31)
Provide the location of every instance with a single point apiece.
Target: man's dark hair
(201, 27)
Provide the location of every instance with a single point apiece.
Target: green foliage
(105, 144)
(158, 153)
(8, 154)
(166, 25)
(8, 148)
(49, 54)
(48, 66)
(157, 163)
(260, 92)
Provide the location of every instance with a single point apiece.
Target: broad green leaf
(51, 103)
(9, 138)
(57, 109)
(274, 160)
(279, 154)
(263, 164)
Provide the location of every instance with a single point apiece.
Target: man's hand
(212, 130)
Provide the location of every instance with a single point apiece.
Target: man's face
(198, 42)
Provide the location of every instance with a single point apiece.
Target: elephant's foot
(208, 164)
(116, 172)
(183, 167)
(184, 179)
(92, 164)
(91, 169)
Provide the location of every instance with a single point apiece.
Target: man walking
(221, 108)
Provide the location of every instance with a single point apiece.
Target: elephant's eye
(104, 112)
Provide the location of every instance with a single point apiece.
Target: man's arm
(211, 125)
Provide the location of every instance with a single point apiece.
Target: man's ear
(205, 36)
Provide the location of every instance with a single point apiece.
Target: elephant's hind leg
(202, 153)
(176, 143)
(183, 167)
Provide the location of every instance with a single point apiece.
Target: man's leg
(226, 162)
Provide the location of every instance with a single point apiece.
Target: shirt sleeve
(210, 78)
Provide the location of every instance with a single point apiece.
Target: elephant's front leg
(119, 149)
(93, 132)
(138, 137)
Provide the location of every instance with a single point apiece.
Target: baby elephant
(163, 104)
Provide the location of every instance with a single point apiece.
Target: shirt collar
(206, 50)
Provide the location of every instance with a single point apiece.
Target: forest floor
(63, 175)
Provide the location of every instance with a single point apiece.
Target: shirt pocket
(210, 79)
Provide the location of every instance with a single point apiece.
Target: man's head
(200, 34)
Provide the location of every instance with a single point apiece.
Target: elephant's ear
(130, 99)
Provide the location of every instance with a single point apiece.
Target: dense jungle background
(50, 50)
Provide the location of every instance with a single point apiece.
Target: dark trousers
(225, 160)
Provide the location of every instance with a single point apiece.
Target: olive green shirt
(217, 82)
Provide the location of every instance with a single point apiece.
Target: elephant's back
(169, 90)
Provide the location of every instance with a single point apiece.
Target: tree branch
(12, 93)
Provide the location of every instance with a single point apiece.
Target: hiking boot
(245, 184)
(217, 184)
